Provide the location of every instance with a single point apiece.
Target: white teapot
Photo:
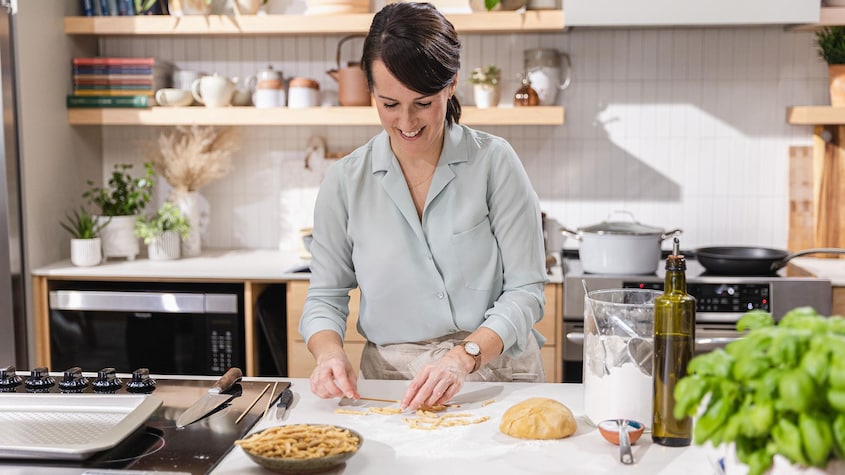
(213, 91)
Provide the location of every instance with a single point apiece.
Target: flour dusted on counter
(614, 386)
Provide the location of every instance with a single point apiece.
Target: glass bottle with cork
(674, 340)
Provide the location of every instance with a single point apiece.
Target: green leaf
(755, 319)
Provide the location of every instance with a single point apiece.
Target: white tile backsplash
(683, 127)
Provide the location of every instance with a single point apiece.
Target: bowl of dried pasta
(301, 448)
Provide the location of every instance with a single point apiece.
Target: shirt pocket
(477, 255)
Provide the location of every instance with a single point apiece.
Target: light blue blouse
(475, 259)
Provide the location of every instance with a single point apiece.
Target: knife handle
(227, 380)
(286, 398)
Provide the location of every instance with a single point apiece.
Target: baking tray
(68, 426)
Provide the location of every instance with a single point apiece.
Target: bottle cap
(676, 261)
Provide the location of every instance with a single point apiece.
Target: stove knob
(73, 381)
(9, 380)
(107, 381)
(39, 380)
(141, 382)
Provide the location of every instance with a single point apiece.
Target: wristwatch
(471, 348)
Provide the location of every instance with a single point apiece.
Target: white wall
(684, 127)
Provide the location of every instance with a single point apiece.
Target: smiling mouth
(410, 134)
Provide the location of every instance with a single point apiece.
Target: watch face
(472, 348)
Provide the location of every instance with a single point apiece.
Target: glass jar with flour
(618, 354)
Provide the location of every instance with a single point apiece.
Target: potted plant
(85, 243)
(123, 198)
(163, 232)
(486, 89)
(189, 7)
(831, 44)
(772, 401)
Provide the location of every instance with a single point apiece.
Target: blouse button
(440, 295)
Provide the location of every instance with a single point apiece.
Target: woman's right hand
(333, 376)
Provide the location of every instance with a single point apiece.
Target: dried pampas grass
(192, 157)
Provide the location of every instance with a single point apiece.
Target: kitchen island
(390, 447)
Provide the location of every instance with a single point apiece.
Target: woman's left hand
(436, 382)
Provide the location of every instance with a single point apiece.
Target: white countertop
(832, 269)
(234, 264)
(213, 264)
(391, 448)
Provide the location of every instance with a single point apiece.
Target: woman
(435, 223)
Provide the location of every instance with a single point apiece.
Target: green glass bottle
(674, 340)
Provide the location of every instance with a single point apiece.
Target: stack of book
(115, 82)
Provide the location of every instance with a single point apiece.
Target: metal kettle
(352, 87)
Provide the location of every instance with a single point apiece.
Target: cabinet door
(300, 361)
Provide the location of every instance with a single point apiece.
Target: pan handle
(820, 250)
(570, 234)
(672, 233)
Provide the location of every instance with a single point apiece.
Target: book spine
(126, 7)
(107, 101)
(112, 92)
(88, 8)
(104, 7)
(113, 61)
(113, 7)
(114, 70)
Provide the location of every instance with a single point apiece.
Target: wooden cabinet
(301, 363)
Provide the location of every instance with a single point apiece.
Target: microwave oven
(169, 328)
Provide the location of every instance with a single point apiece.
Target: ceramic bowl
(172, 97)
(312, 465)
(610, 431)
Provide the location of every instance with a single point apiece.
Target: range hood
(689, 12)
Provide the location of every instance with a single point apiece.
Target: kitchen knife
(211, 401)
(284, 403)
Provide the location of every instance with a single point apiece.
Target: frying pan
(739, 260)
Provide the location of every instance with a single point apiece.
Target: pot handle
(340, 43)
(672, 233)
(821, 250)
(570, 234)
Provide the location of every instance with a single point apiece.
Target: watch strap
(476, 358)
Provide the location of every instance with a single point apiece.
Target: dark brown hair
(419, 46)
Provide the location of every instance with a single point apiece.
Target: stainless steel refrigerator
(12, 293)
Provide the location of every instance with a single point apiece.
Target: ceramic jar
(303, 92)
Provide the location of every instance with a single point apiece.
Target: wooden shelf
(280, 25)
(829, 16)
(815, 115)
(334, 116)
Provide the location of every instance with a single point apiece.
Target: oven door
(168, 333)
(708, 337)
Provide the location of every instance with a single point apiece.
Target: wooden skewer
(270, 399)
(376, 399)
(252, 405)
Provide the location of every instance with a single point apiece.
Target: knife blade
(284, 403)
(211, 401)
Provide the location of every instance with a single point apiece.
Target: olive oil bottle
(674, 340)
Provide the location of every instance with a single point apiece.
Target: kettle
(268, 78)
(352, 87)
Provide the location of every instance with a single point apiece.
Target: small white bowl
(172, 97)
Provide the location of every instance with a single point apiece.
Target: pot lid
(632, 227)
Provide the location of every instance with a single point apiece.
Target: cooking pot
(620, 247)
(749, 261)
(352, 87)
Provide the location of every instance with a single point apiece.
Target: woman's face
(414, 122)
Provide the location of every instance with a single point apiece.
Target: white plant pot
(165, 247)
(188, 7)
(86, 252)
(119, 239)
(486, 96)
(246, 7)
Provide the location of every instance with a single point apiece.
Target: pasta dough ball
(538, 418)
